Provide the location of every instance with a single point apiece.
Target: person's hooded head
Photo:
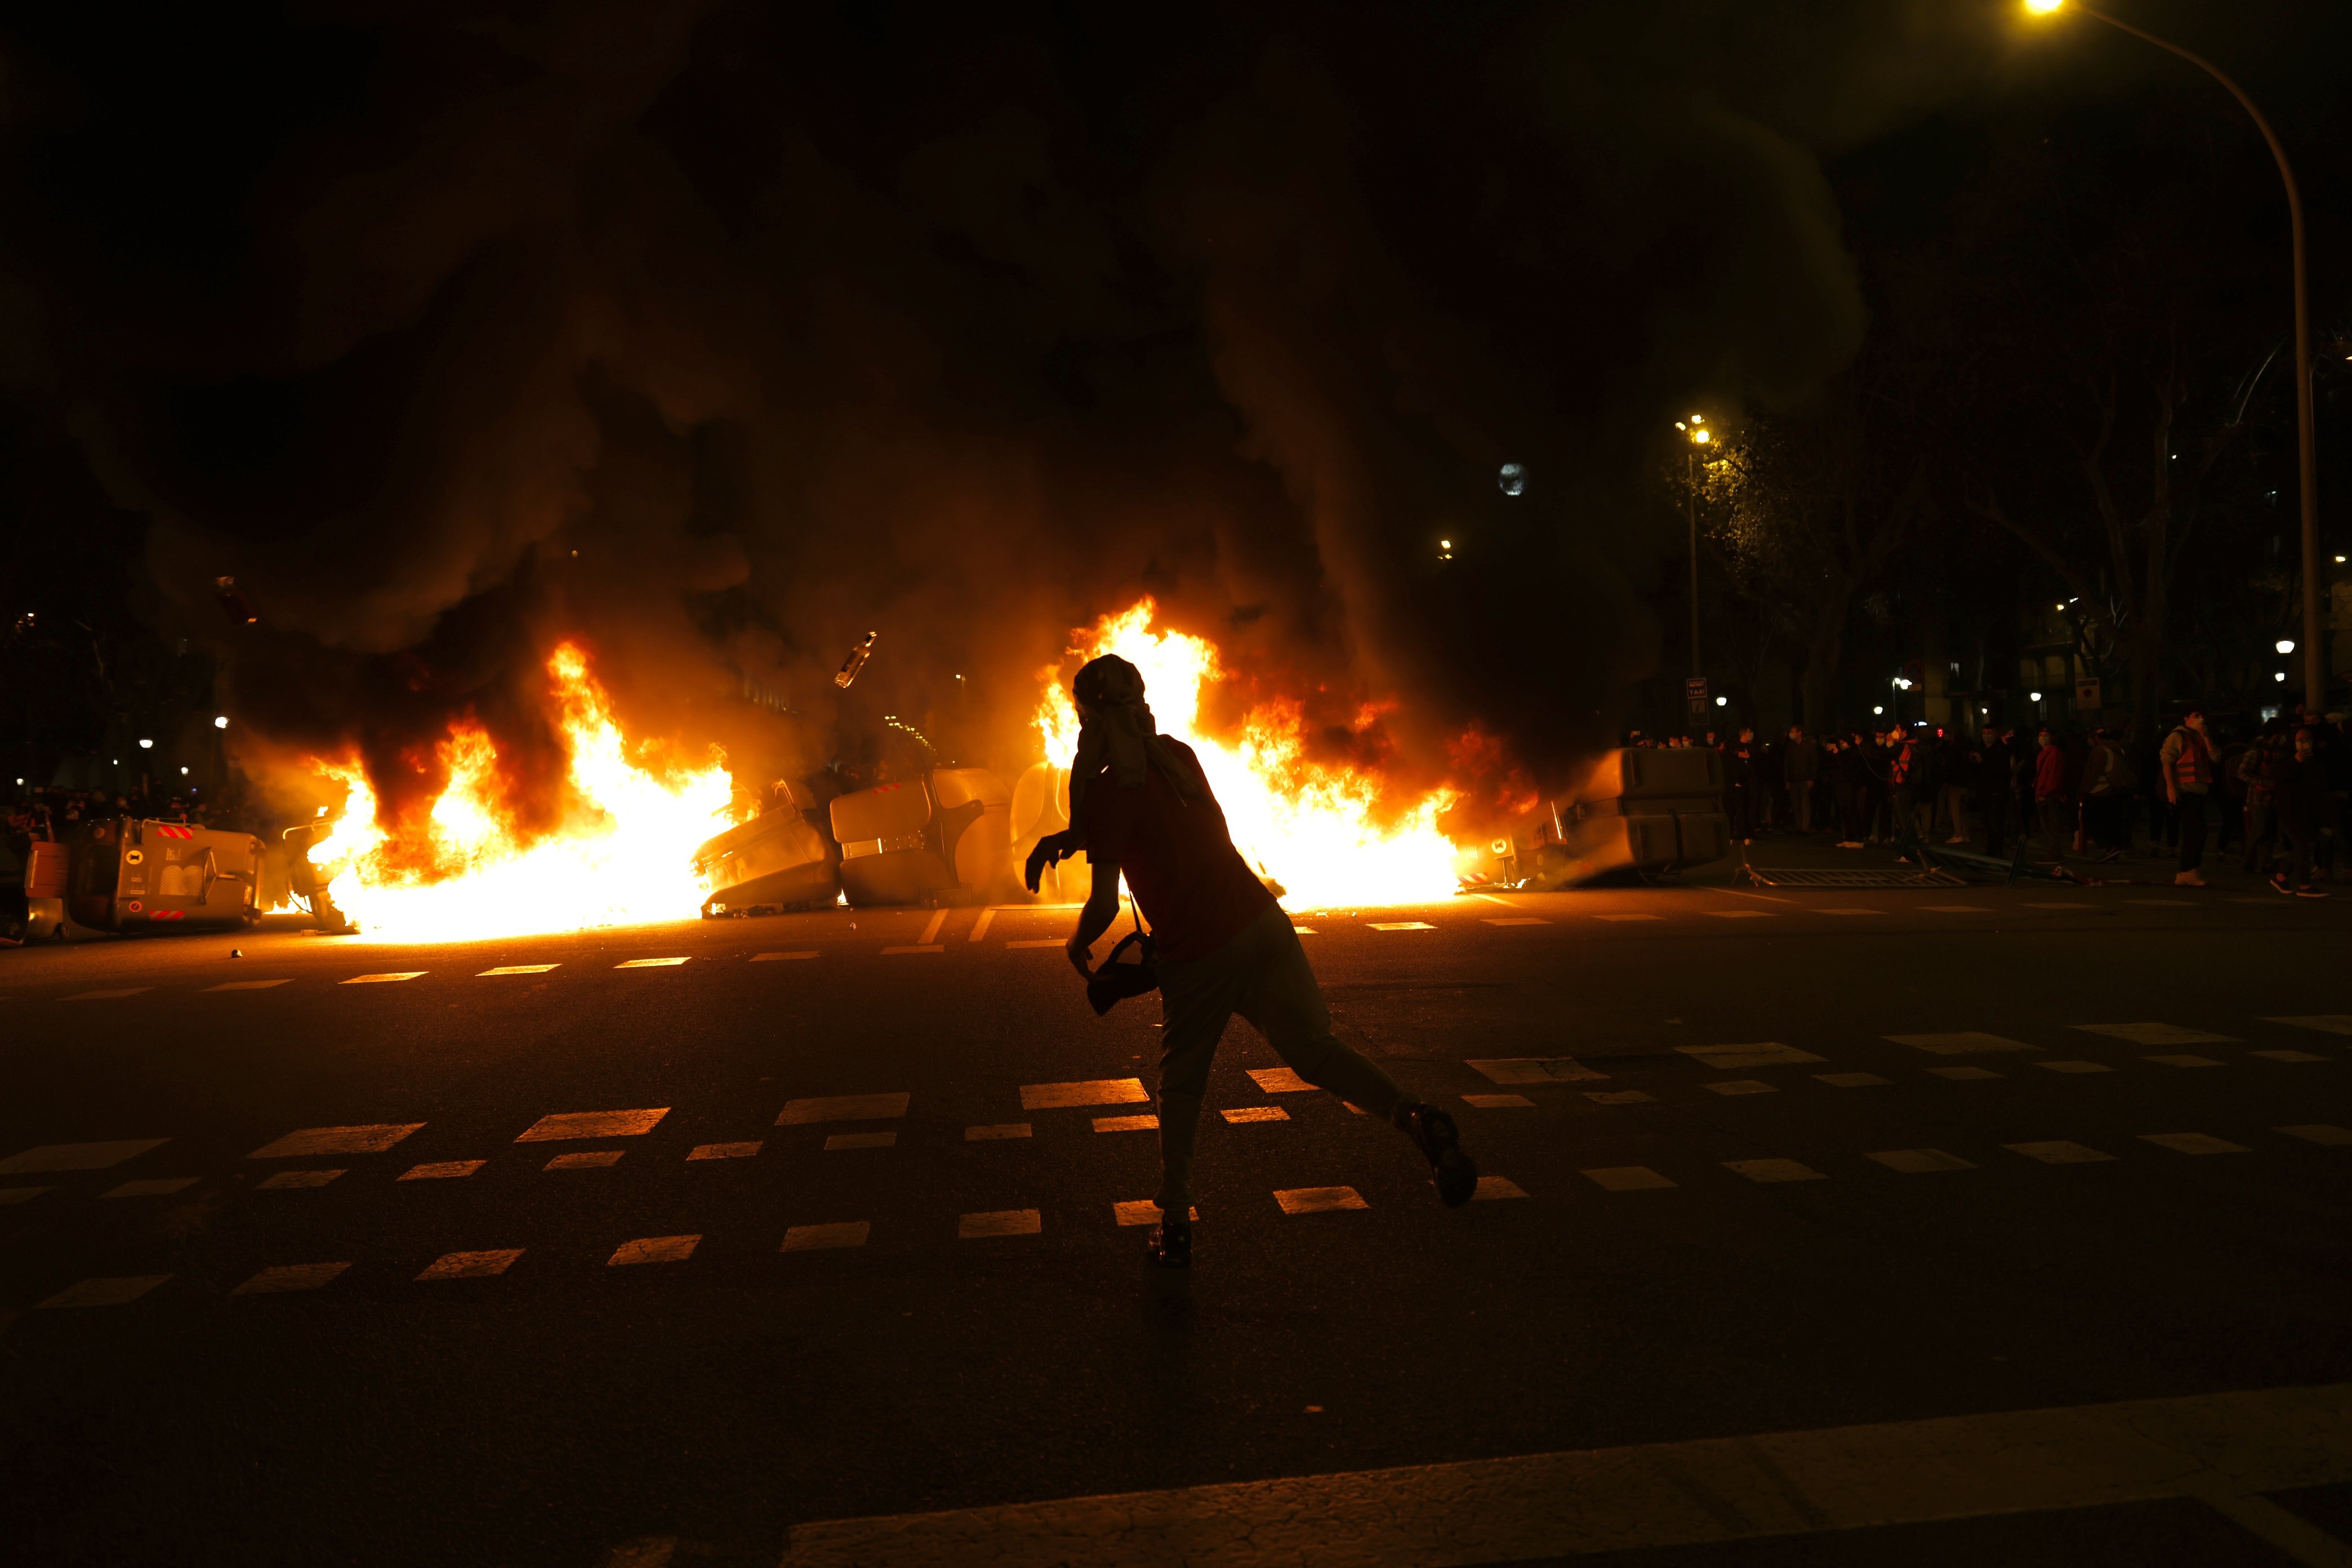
(1116, 734)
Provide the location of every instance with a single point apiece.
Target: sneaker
(1433, 1132)
(2280, 883)
(2310, 892)
(1170, 1246)
(2189, 879)
(1849, 843)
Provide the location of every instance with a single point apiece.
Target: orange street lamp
(1694, 427)
(2315, 669)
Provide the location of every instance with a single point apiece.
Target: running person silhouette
(1140, 804)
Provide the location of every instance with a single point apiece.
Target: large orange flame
(1320, 830)
(624, 854)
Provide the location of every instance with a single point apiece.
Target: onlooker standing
(1740, 785)
(1994, 789)
(2301, 798)
(2262, 767)
(1800, 764)
(1952, 773)
(2050, 793)
(1771, 805)
(2107, 784)
(1904, 766)
(2187, 760)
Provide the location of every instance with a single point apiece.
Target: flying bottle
(855, 662)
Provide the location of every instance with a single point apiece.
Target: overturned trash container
(887, 853)
(779, 858)
(1041, 804)
(974, 828)
(132, 874)
(1637, 809)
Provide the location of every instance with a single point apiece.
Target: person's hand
(1051, 850)
(1081, 957)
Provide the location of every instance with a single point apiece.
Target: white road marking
(285, 1180)
(1279, 1081)
(724, 1150)
(2193, 1143)
(1741, 914)
(980, 926)
(247, 984)
(1498, 1101)
(2076, 1067)
(2320, 1132)
(997, 1130)
(370, 1140)
(78, 1156)
(1400, 925)
(291, 1277)
(1002, 1222)
(1774, 1171)
(649, 963)
(931, 931)
(2060, 1151)
(1618, 1096)
(1127, 1123)
(442, 1171)
(1513, 1070)
(471, 1265)
(1964, 1074)
(1304, 930)
(1086, 1091)
(1734, 1086)
(2325, 1023)
(774, 957)
(1492, 1188)
(588, 1159)
(862, 1140)
(570, 1125)
(1319, 1200)
(385, 979)
(517, 969)
(157, 1188)
(654, 1249)
(2185, 1060)
(2289, 1055)
(825, 1237)
(1965, 1044)
(1036, 943)
(2156, 1033)
(1918, 1161)
(1491, 898)
(111, 995)
(1141, 1211)
(1627, 1178)
(844, 1108)
(105, 1292)
(1517, 920)
(1850, 1079)
(1762, 1054)
(1629, 917)
(1238, 1115)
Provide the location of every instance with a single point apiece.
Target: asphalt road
(2099, 1193)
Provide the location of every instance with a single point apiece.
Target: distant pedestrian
(1801, 764)
(1994, 789)
(2260, 769)
(1954, 775)
(2050, 793)
(2187, 760)
(1740, 785)
(2107, 784)
(2301, 801)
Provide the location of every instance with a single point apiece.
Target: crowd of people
(2281, 788)
(49, 814)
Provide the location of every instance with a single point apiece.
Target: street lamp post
(2314, 662)
(1695, 428)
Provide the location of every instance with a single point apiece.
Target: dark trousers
(2191, 812)
(2057, 826)
(1800, 803)
(2299, 842)
(2258, 823)
(1995, 812)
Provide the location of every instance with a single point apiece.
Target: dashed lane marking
(1850, 1079)
(777, 957)
(2156, 1034)
(2183, 1059)
(1491, 898)
(1919, 1161)
(2289, 1055)
(570, 1125)
(1763, 1054)
(1037, 942)
(385, 979)
(979, 927)
(1141, 1211)
(109, 996)
(1956, 909)
(1240, 1114)
(1498, 1101)
(922, 947)
(1629, 916)
(1736, 1086)
(247, 984)
(291, 1277)
(1127, 1123)
(1964, 1074)
(1494, 1188)
(1511, 1071)
(1618, 1096)
(440, 1171)
(2076, 1067)
(587, 1160)
(1967, 1043)
(2325, 1023)
(286, 1180)
(1400, 925)
(1319, 1200)
(931, 931)
(471, 1265)
(2193, 1143)
(649, 963)
(1279, 1081)
(1516, 920)
(1001, 1222)
(654, 1249)
(2320, 1132)
(1740, 914)
(2060, 1151)
(1084, 1091)
(107, 1290)
(49, 1157)
(843, 1107)
(1627, 1179)
(1774, 1171)
(370, 1140)
(1850, 912)
(826, 1237)
(20, 1195)
(862, 1140)
(1304, 930)
(724, 1150)
(996, 1131)
(158, 1187)
(517, 969)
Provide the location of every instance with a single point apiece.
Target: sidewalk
(2223, 873)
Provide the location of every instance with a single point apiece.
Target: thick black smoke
(719, 335)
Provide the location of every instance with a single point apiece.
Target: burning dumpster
(912, 842)
(131, 874)
(781, 857)
(1637, 810)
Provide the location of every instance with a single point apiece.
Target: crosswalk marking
(1086, 1091)
(2076, 1067)
(1494, 1188)
(1850, 1079)
(373, 1138)
(1037, 942)
(440, 1171)
(2325, 1023)
(1740, 914)
(291, 1277)
(1319, 1200)
(724, 1150)
(1629, 916)
(649, 963)
(1240, 1114)
(1400, 925)
(862, 1140)
(917, 947)
(1773, 1171)
(111, 995)
(570, 1125)
(106, 1291)
(47, 1157)
(1763, 1054)
(1141, 1211)
(1919, 1161)
(2156, 1034)
(1517, 920)
(1514, 1070)
(1618, 1096)
(21, 1195)
(1498, 1101)
(590, 1160)
(1127, 1123)
(1733, 1086)
(996, 1131)
(844, 1108)
(2183, 1059)
(1001, 1222)
(2289, 1055)
(1626, 1178)
(1965, 1043)
(471, 1265)
(775, 957)
(385, 979)
(518, 969)
(158, 1187)
(1304, 930)
(1279, 1081)
(980, 926)
(2193, 1142)
(931, 931)
(1964, 1074)
(654, 1249)
(247, 984)
(2059, 1151)
(285, 1180)
(2320, 1132)
(826, 1237)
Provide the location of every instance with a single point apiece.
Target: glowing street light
(1694, 427)
(146, 746)
(2284, 645)
(222, 722)
(2314, 675)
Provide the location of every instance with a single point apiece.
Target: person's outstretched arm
(1101, 909)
